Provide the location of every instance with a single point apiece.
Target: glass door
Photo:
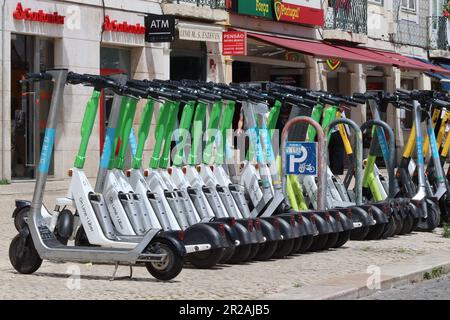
(30, 103)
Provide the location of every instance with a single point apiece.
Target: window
(409, 5)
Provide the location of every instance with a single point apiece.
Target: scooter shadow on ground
(92, 277)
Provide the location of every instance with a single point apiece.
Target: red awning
(419, 64)
(386, 59)
(315, 48)
(359, 55)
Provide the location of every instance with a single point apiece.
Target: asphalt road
(436, 289)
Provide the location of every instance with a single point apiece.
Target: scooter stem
(421, 194)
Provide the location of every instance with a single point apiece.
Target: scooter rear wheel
(390, 228)
(297, 245)
(359, 234)
(332, 240)
(284, 248)
(319, 243)
(241, 254)
(343, 238)
(227, 254)
(266, 250)
(407, 224)
(253, 252)
(206, 259)
(399, 226)
(170, 267)
(23, 255)
(306, 244)
(376, 232)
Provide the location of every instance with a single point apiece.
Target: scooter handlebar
(34, 77)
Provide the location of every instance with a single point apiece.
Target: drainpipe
(3, 87)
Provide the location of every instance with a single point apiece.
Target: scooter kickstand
(131, 272)
(116, 267)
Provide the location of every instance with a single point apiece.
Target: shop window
(30, 103)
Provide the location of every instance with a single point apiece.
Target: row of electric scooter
(196, 202)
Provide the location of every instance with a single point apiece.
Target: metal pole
(391, 162)
(359, 154)
(322, 163)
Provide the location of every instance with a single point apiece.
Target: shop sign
(194, 34)
(38, 16)
(160, 28)
(333, 64)
(114, 26)
(301, 158)
(288, 11)
(234, 43)
(259, 8)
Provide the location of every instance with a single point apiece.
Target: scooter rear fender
(268, 229)
(323, 226)
(245, 234)
(293, 220)
(208, 233)
(173, 238)
(345, 222)
(380, 211)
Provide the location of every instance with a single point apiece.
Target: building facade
(106, 37)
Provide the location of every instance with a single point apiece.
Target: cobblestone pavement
(436, 289)
(248, 281)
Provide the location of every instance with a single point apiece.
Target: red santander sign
(234, 43)
(289, 12)
(114, 26)
(38, 16)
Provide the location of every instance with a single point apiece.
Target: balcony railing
(438, 28)
(347, 15)
(213, 4)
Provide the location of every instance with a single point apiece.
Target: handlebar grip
(136, 92)
(227, 96)
(404, 91)
(208, 96)
(441, 103)
(188, 96)
(31, 77)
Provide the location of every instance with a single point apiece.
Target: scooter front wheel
(23, 255)
(206, 259)
(20, 218)
(170, 266)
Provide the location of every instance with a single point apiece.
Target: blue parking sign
(301, 158)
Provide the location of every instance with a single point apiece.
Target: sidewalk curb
(354, 286)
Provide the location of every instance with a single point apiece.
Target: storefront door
(29, 103)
